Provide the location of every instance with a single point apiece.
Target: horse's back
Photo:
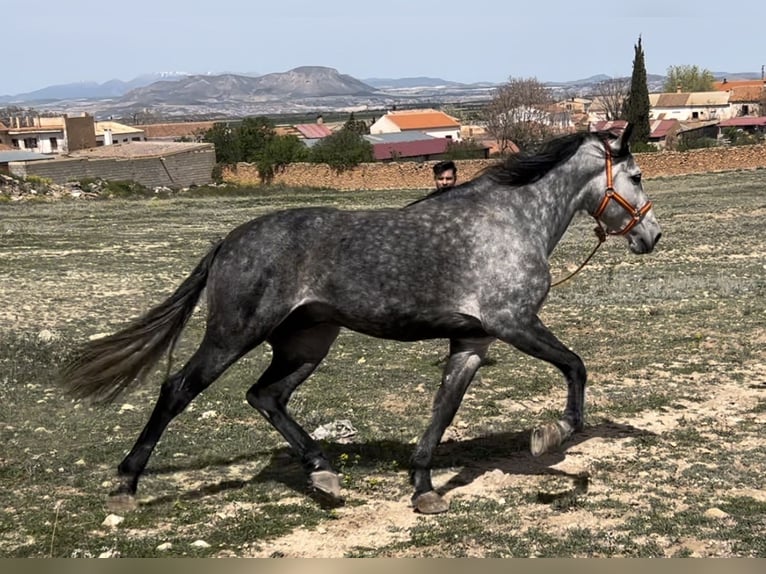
(390, 273)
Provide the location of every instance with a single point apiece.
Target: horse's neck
(548, 205)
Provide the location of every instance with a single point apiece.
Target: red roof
(657, 128)
(608, 126)
(661, 128)
(744, 121)
(435, 146)
(313, 131)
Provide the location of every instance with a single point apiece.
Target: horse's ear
(624, 140)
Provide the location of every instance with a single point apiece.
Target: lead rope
(601, 234)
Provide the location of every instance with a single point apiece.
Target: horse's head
(623, 207)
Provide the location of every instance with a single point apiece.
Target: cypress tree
(637, 104)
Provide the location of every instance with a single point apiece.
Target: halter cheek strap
(611, 194)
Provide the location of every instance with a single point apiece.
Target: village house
(62, 134)
(429, 121)
(745, 96)
(663, 133)
(686, 106)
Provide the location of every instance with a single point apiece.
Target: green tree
(226, 141)
(278, 152)
(254, 135)
(466, 149)
(637, 104)
(688, 79)
(342, 150)
(356, 126)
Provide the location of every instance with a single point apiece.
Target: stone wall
(173, 170)
(418, 175)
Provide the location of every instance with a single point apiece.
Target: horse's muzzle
(641, 244)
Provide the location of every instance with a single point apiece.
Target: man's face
(445, 179)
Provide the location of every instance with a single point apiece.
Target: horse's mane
(527, 167)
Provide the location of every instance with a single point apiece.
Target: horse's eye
(636, 178)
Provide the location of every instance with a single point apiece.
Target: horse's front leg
(464, 360)
(535, 339)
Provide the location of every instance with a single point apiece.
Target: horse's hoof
(121, 503)
(545, 438)
(325, 486)
(548, 437)
(430, 503)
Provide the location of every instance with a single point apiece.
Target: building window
(136, 139)
(15, 143)
(30, 143)
(54, 144)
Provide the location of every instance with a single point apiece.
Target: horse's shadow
(504, 451)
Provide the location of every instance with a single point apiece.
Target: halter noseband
(636, 213)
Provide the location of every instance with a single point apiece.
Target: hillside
(302, 82)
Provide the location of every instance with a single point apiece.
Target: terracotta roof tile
(422, 120)
(725, 86)
(174, 130)
(746, 94)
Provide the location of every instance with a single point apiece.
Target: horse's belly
(415, 326)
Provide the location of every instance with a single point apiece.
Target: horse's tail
(105, 367)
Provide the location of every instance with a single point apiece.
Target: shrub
(342, 150)
(701, 142)
(38, 180)
(642, 147)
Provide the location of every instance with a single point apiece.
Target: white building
(690, 106)
(432, 122)
(62, 134)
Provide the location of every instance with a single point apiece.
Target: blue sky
(61, 41)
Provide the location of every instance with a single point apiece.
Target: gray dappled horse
(469, 264)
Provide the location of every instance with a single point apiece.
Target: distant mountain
(87, 90)
(179, 88)
(733, 76)
(311, 81)
(302, 82)
(585, 81)
(414, 82)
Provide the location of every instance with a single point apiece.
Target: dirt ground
(671, 461)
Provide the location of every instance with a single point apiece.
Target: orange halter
(611, 194)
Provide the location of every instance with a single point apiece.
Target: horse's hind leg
(204, 367)
(297, 351)
(465, 358)
(538, 341)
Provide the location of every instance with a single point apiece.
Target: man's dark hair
(442, 166)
